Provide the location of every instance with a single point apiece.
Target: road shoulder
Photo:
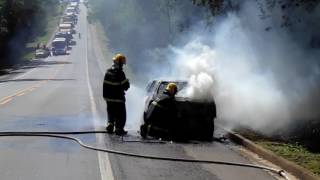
(296, 170)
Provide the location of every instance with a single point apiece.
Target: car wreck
(196, 116)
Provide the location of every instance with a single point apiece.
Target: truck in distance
(59, 46)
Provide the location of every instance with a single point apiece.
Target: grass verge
(293, 152)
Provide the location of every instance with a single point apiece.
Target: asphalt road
(63, 93)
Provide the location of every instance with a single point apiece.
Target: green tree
(17, 16)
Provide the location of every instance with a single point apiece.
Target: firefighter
(161, 120)
(114, 87)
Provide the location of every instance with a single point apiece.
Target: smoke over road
(135, 104)
(261, 74)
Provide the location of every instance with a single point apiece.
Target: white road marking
(103, 158)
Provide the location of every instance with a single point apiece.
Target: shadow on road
(34, 80)
(36, 63)
(30, 65)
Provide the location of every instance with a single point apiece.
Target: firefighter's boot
(120, 131)
(110, 128)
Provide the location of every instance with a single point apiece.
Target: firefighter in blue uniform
(114, 86)
(161, 120)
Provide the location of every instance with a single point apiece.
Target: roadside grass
(43, 38)
(295, 153)
(291, 151)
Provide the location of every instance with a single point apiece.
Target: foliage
(19, 19)
(290, 10)
(215, 6)
(294, 150)
(295, 153)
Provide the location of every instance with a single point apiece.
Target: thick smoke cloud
(264, 79)
(262, 72)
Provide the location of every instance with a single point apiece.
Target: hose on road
(62, 135)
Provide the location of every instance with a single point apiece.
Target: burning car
(198, 116)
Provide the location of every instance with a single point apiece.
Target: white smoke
(135, 103)
(200, 87)
(245, 68)
(195, 62)
(260, 74)
(243, 95)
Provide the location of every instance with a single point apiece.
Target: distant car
(198, 116)
(71, 9)
(42, 53)
(71, 15)
(64, 27)
(69, 19)
(66, 35)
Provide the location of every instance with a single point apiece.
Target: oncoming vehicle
(75, 5)
(69, 19)
(59, 46)
(71, 16)
(66, 35)
(71, 10)
(64, 27)
(198, 116)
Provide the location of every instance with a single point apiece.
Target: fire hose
(62, 135)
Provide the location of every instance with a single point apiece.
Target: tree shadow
(3, 72)
(39, 62)
(34, 80)
(30, 65)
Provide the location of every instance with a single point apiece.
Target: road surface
(64, 93)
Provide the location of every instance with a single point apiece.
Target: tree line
(19, 19)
